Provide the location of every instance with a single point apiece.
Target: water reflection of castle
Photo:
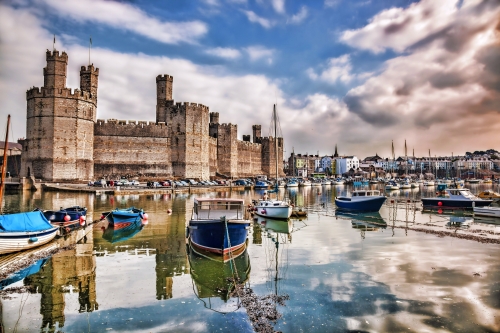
(74, 268)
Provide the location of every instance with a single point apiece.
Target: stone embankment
(141, 189)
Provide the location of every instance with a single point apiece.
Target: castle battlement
(90, 69)
(130, 123)
(228, 126)
(184, 105)
(249, 144)
(37, 92)
(51, 56)
(164, 77)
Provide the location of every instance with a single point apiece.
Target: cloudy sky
(356, 73)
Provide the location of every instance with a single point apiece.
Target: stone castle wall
(131, 148)
(249, 159)
(65, 141)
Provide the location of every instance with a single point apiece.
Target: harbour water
(342, 273)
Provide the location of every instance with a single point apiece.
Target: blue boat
(218, 225)
(361, 201)
(127, 215)
(24, 231)
(455, 198)
(261, 185)
(23, 273)
(72, 213)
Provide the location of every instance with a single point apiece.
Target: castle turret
(54, 75)
(88, 80)
(164, 86)
(256, 133)
(214, 117)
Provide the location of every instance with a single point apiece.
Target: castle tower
(189, 128)
(60, 124)
(256, 133)
(269, 156)
(227, 150)
(164, 86)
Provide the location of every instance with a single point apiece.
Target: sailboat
(430, 182)
(21, 231)
(273, 208)
(392, 185)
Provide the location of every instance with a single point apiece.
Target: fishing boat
(455, 198)
(292, 183)
(124, 215)
(274, 208)
(261, 185)
(218, 225)
(491, 195)
(24, 231)
(391, 185)
(487, 211)
(21, 231)
(361, 201)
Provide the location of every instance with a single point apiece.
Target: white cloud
(337, 69)
(223, 52)
(260, 52)
(252, 17)
(279, 6)
(300, 16)
(332, 3)
(399, 28)
(123, 16)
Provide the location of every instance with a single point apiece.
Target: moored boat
(124, 215)
(455, 198)
(261, 185)
(24, 231)
(218, 225)
(491, 195)
(361, 201)
(487, 211)
(392, 185)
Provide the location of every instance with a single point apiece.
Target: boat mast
(406, 161)
(4, 164)
(275, 141)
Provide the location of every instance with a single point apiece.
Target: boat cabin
(366, 193)
(460, 193)
(216, 208)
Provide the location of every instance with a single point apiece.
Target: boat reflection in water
(364, 221)
(279, 226)
(23, 273)
(214, 278)
(123, 231)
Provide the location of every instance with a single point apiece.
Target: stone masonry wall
(131, 148)
(249, 159)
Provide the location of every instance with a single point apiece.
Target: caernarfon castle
(66, 142)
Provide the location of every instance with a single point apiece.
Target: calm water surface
(340, 276)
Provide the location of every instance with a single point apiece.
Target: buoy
(440, 211)
(169, 211)
(144, 222)
(82, 220)
(440, 203)
(145, 216)
(102, 217)
(67, 218)
(392, 200)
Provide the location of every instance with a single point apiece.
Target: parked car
(123, 182)
(178, 184)
(98, 183)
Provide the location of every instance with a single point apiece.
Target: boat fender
(67, 218)
(82, 220)
(34, 239)
(263, 211)
(102, 217)
(440, 203)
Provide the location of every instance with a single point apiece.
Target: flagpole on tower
(90, 46)
(54, 43)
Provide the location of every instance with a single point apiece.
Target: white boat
(338, 181)
(391, 185)
(487, 211)
(473, 181)
(413, 184)
(292, 183)
(24, 231)
(316, 183)
(274, 208)
(429, 183)
(405, 185)
(305, 182)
